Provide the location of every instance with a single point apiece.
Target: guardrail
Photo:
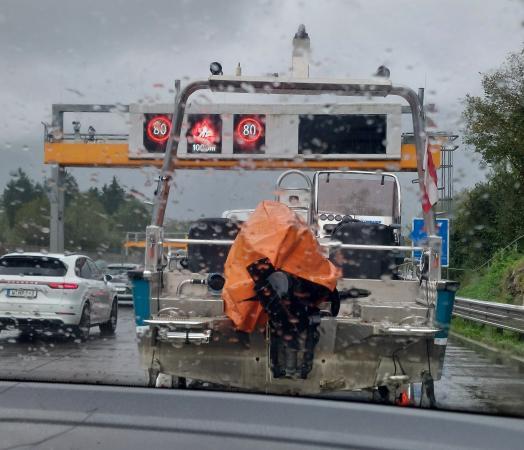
(499, 315)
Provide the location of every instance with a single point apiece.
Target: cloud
(116, 52)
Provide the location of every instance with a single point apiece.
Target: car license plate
(25, 293)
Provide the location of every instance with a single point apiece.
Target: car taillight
(63, 285)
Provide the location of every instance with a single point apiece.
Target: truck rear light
(63, 285)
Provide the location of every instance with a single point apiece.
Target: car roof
(61, 256)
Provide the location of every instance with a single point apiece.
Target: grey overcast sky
(61, 51)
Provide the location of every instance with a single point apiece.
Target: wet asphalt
(471, 381)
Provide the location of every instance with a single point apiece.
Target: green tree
(491, 215)
(131, 216)
(495, 120)
(94, 192)
(32, 223)
(71, 189)
(87, 226)
(112, 196)
(19, 190)
(487, 218)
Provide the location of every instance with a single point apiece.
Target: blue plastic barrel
(446, 290)
(140, 296)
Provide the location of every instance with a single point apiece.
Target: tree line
(94, 220)
(491, 215)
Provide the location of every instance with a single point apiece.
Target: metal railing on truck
(138, 240)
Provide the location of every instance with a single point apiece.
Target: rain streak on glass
(264, 197)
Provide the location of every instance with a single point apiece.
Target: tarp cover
(275, 232)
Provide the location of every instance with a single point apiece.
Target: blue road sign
(419, 235)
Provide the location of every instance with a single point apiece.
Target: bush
(507, 340)
(514, 282)
(500, 281)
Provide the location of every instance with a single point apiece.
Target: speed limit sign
(249, 129)
(158, 129)
(249, 133)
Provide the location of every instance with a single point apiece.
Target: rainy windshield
(318, 199)
(358, 195)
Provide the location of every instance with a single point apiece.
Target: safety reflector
(404, 399)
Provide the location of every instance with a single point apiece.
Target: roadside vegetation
(507, 341)
(487, 237)
(95, 220)
(501, 280)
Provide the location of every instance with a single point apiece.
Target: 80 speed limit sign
(158, 129)
(249, 133)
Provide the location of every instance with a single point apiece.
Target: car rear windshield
(32, 265)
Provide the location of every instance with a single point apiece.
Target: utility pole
(56, 200)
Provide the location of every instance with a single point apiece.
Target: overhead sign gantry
(355, 136)
(248, 136)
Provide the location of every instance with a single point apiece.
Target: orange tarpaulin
(275, 232)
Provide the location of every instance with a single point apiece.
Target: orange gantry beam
(142, 244)
(81, 154)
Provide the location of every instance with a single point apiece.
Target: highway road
(471, 381)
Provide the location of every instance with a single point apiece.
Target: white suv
(57, 292)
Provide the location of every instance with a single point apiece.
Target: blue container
(446, 290)
(140, 297)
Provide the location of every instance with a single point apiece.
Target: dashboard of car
(45, 416)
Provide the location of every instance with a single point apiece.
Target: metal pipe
(166, 174)
(358, 172)
(293, 171)
(268, 85)
(419, 134)
(182, 284)
(336, 244)
(280, 189)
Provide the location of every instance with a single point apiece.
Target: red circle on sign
(249, 129)
(158, 129)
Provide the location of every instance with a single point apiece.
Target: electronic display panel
(204, 134)
(156, 132)
(342, 134)
(249, 134)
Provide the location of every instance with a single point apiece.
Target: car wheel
(109, 327)
(81, 331)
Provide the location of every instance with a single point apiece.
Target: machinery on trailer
(321, 305)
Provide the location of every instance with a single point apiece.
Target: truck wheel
(382, 395)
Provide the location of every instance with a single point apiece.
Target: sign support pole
(56, 200)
